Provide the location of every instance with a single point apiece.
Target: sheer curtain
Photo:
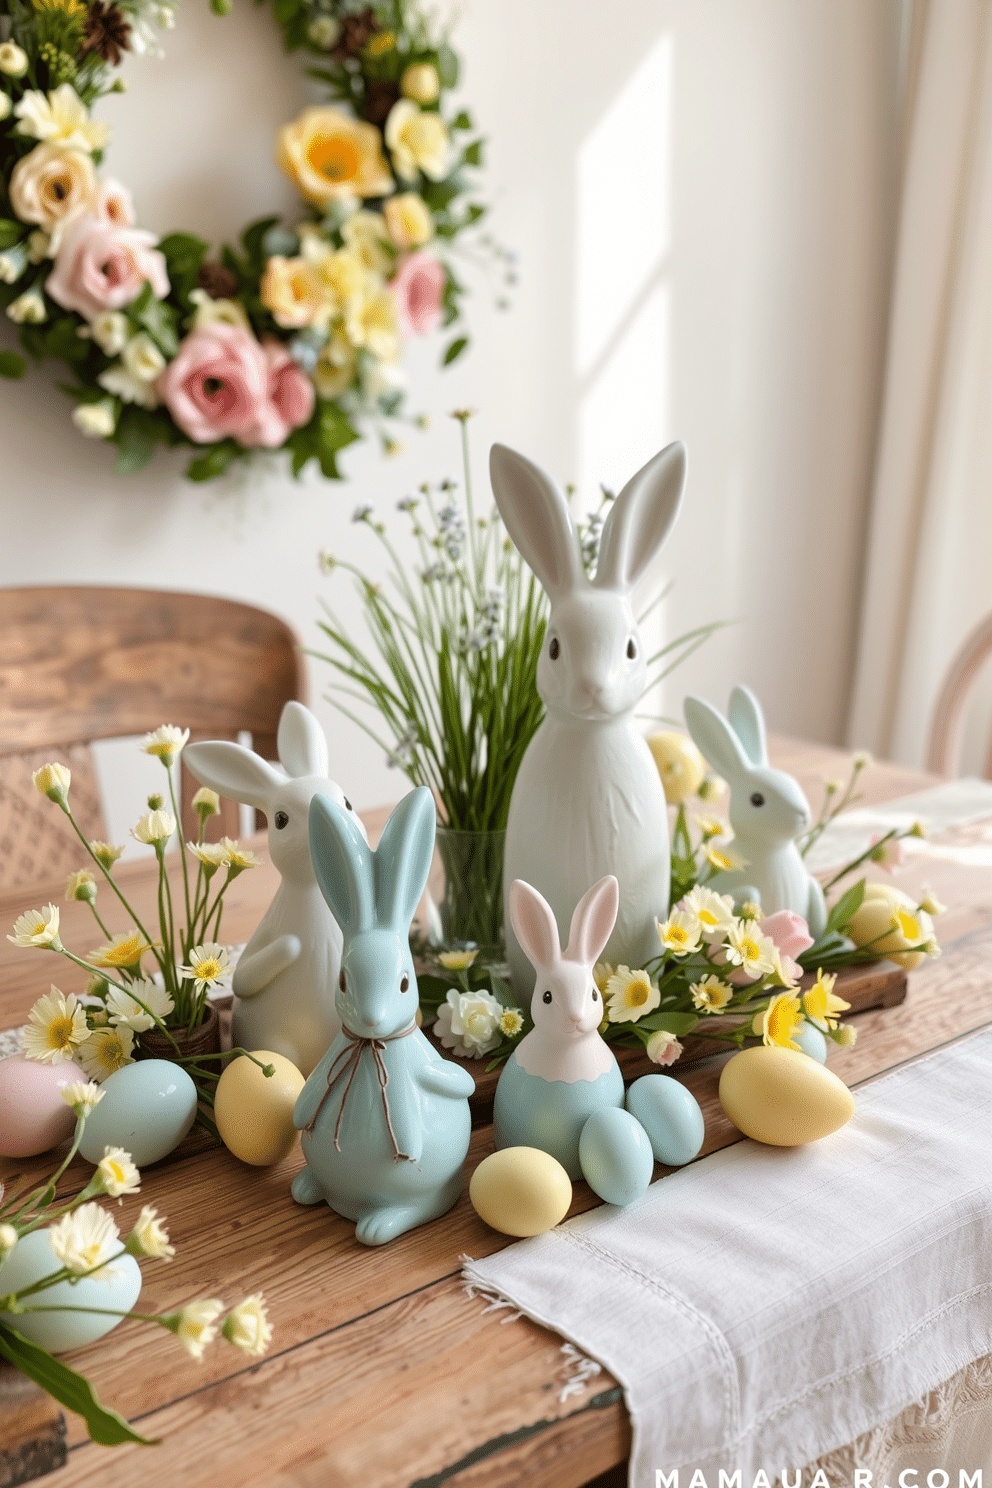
(928, 562)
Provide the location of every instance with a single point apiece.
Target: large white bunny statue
(284, 984)
(588, 799)
(768, 811)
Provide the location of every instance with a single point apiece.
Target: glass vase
(466, 889)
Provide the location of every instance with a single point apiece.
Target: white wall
(700, 192)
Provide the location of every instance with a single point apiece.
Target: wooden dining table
(382, 1371)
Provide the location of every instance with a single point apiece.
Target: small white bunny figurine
(284, 983)
(563, 1070)
(768, 810)
(588, 798)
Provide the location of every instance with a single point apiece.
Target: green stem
(180, 840)
(110, 879)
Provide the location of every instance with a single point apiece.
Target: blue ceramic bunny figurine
(385, 1120)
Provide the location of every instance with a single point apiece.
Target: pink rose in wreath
(102, 265)
(418, 290)
(223, 384)
(290, 391)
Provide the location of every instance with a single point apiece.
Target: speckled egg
(520, 1191)
(670, 1115)
(254, 1112)
(615, 1156)
(31, 1259)
(783, 1098)
(811, 1041)
(147, 1109)
(33, 1115)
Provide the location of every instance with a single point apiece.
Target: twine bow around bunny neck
(346, 1062)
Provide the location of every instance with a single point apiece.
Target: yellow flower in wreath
(330, 155)
(292, 291)
(52, 185)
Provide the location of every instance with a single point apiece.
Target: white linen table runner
(766, 1305)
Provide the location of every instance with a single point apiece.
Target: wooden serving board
(876, 984)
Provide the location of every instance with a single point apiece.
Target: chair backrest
(947, 721)
(81, 663)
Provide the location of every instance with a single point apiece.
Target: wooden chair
(947, 721)
(79, 664)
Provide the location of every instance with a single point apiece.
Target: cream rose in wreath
(293, 339)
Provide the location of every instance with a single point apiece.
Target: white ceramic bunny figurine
(768, 810)
(563, 1070)
(588, 798)
(284, 983)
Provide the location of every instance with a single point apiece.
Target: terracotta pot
(205, 1039)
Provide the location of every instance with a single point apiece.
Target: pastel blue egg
(670, 1115)
(811, 1041)
(615, 1156)
(31, 1259)
(147, 1109)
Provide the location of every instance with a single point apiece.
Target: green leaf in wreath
(136, 436)
(472, 155)
(251, 241)
(70, 1389)
(334, 433)
(61, 341)
(846, 907)
(454, 350)
(12, 365)
(447, 65)
(286, 10)
(184, 255)
(214, 463)
(462, 120)
(11, 232)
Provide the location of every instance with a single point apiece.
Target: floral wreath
(291, 341)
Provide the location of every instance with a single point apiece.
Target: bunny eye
(757, 799)
(342, 982)
(595, 995)
(554, 650)
(547, 996)
(348, 807)
(404, 983)
(282, 820)
(631, 648)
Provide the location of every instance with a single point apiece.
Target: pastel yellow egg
(254, 1113)
(520, 1191)
(680, 765)
(783, 1098)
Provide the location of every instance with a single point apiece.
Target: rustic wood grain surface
(382, 1371)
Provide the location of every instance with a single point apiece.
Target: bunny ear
(748, 723)
(536, 515)
(403, 859)
(342, 864)
(593, 921)
(301, 742)
(534, 922)
(716, 739)
(233, 771)
(641, 519)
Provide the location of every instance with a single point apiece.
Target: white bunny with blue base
(385, 1120)
(588, 799)
(768, 811)
(284, 981)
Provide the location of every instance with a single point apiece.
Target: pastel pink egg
(33, 1115)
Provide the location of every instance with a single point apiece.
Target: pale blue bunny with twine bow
(385, 1120)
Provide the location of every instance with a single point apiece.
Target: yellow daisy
(680, 933)
(457, 960)
(165, 742)
(821, 1006)
(106, 1050)
(710, 995)
(54, 1025)
(124, 951)
(631, 994)
(779, 1021)
(208, 964)
(37, 927)
(105, 853)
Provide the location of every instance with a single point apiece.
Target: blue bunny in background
(385, 1120)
